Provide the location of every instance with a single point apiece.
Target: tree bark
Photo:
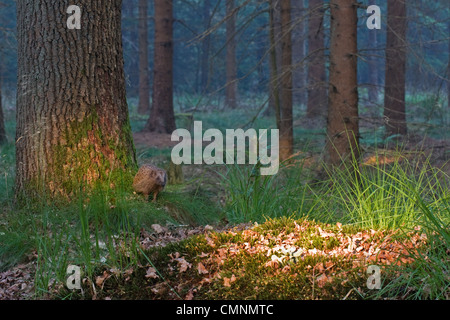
(394, 99)
(298, 51)
(231, 67)
(372, 64)
(73, 128)
(274, 106)
(286, 120)
(317, 91)
(343, 127)
(144, 86)
(162, 117)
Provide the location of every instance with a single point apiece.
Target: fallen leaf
(101, 279)
(183, 265)
(322, 280)
(210, 241)
(201, 268)
(151, 273)
(157, 228)
(228, 281)
(286, 269)
(189, 296)
(325, 234)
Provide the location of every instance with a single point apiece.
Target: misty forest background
(364, 143)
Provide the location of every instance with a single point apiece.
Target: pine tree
(343, 126)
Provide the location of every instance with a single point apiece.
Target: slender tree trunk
(373, 68)
(206, 44)
(394, 99)
(231, 67)
(73, 128)
(3, 139)
(286, 121)
(130, 39)
(298, 50)
(162, 117)
(448, 68)
(144, 85)
(261, 75)
(274, 96)
(317, 91)
(343, 128)
(372, 64)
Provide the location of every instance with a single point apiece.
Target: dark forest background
(197, 22)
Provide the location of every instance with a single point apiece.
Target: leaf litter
(280, 249)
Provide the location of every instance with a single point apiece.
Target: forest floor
(192, 245)
(287, 259)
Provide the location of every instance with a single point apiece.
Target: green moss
(85, 161)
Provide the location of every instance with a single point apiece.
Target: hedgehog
(149, 179)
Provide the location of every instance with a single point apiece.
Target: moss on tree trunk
(73, 129)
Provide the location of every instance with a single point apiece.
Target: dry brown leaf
(101, 279)
(158, 228)
(183, 265)
(203, 255)
(201, 268)
(210, 241)
(321, 280)
(325, 234)
(286, 269)
(189, 296)
(226, 282)
(151, 273)
(319, 267)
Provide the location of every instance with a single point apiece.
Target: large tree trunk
(2, 120)
(144, 86)
(343, 129)
(286, 120)
(231, 67)
(394, 96)
(317, 91)
(162, 117)
(73, 128)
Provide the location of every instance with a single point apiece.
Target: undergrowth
(101, 232)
